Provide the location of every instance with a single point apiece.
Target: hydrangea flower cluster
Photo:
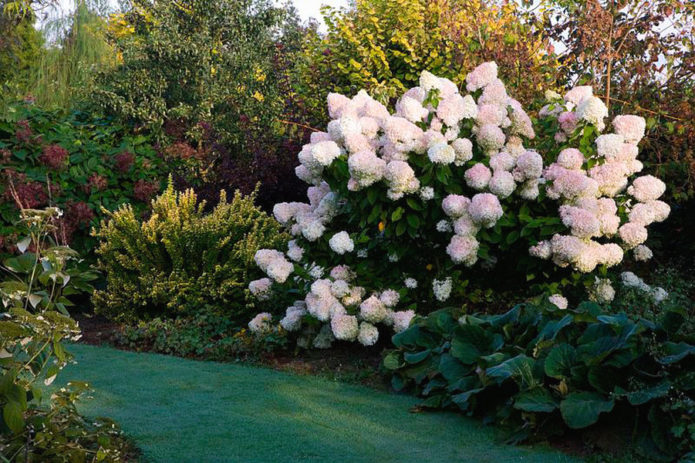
(605, 214)
(442, 174)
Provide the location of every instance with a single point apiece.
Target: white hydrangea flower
(261, 323)
(368, 334)
(442, 288)
(410, 283)
(341, 243)
(559, 301)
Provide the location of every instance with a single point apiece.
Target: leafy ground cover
(188, 411)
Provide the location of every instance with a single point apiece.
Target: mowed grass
(185, 411)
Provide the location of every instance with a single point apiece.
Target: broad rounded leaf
(535, 400)
(582, 409)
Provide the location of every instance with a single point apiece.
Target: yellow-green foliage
(182, 259)
(383, 45)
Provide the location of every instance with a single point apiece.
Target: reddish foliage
(23, 132)
(97, 182)
(144, 190)
(29, 193)
(5, 156)
(181, 150)
(124, 161)
(76, 215)
(54, 156)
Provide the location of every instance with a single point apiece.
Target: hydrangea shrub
(404, 206)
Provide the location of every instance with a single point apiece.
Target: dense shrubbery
(382, 46)
(541, 370)
(402, 204)
(33, 325)
(76, 162)
(182, 259)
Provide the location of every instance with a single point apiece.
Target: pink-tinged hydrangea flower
(366, 168)
(594, 111)
(401, 320)
(464, 225)
(529, 189)
(340, 288)
(642, 253)
(354, 298)
(632, 234)
(370, 127)
(373, 310)
(581, 222)
(325, 152)
(455, 205)
(630, 127)
(569, 184)
(579, 94)
(565, 249)
(463, 148)
(411, 109)
(642, 214)
(568, 121)
(660, 209)
(292, 321)
(336, 104)
(463, 250)
(341, 243)
(342, 272)
(490, 137)
(390, 298)
(478, 176)
(481, 76)
(356, 142)
(429, 82)
(559, 301)
(542, 250)
(401, 179)
(647, 188)
(502, 184)
(368, 334)
(528, 166)
(441, 153)
(311, 227)
(261, 288)
(485, 209)
(494, 93)
(521, 122)
(610, 146)
(571, 158)
(405, 135)
(611, 177)
(502, 161)
(316, 137)
(261, 323)
(491, 114)
(452, 110)
(345, 327)
(306, 175)
(610, 254)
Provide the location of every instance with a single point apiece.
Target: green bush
(182, 259)
(77, 162)
(542, 370)
(33, 325)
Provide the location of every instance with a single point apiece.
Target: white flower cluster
(631, 280)
(590, 196)
(475, 141)
(344, 308)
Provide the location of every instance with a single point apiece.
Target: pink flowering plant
(413, 209)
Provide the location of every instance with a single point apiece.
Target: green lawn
(180, 411)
